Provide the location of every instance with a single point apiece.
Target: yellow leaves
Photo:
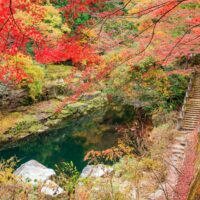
(31, 17)
(34, 71)
(113, 57)
(84, 62)
(89, 33)
(9, 121)
(150, 164)
(52, 15)
(26, 62)
(144, 25)
(160, 81)
(65, 28)
(27, 19)
(49, 23)
(6, 171)
(160, 33)
(6, 176)
(133, 10)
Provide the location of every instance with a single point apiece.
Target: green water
(96, 131)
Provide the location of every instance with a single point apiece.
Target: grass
(57, 71)
(10, 120)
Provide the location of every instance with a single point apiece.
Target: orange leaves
(167, 30)
(112, 154)
(125, 146)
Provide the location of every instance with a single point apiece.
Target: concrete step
(192, 110)
(189, 125)
(194, 95)
(193, 105)
(196, 112)
(192, 115)
(191, 120)
(178, 147)
(194, 100)
(189, 128)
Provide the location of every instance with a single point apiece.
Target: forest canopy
(83, 32)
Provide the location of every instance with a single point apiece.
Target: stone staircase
(187, 125)
(192, 107)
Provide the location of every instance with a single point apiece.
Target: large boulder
(34, 172)
(96, 171)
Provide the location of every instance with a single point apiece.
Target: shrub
(67, 176)
(11, 187)
(34, 71)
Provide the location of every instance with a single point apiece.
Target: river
(95, 131)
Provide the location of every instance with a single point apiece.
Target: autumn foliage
(77, 31)
(40, 26)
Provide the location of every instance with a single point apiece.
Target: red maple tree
(166, 30)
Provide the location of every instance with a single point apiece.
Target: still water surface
(95, 131)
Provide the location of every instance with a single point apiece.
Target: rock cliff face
(11, 99)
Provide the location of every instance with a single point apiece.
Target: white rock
(134, 194)
(52, 189)
(158, 194)
(96, 171)
(33, 172)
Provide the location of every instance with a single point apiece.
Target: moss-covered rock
(41, 117)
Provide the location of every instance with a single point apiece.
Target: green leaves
(83, 17)
(178, 31)
(60, 3)
(190, 6)
(29, 47)
(157, 88)
(67, 176)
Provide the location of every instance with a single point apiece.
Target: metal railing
(183, 108)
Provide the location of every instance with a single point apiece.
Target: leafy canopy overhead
(126, 32)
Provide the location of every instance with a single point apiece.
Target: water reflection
(68, 144)
(96, 131)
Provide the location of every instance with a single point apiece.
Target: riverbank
(41, 117)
